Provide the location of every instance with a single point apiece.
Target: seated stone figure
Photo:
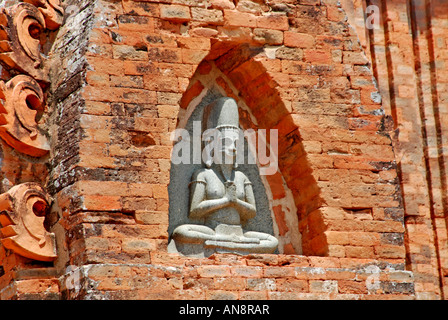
(221, 197)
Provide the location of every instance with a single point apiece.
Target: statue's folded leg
(264, 243)
(193, 233)
(268, 243)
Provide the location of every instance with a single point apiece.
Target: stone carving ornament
(221, 197)
(52, 11)
(22, 214)
(20, 28)
(21, 99)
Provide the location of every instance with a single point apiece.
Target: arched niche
(238, 71)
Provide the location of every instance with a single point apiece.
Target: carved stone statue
(221, 197)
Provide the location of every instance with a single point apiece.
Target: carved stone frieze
(20, 28)
(22, 214)
(52, 11)
(22, 100)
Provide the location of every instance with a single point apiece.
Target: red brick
(37, 285)
(165, 55)
(101, 203)
(267, 36)
(141, 8)
(292, 285)
(191, 56)
(231, 284)
(280, 220)
(317, 56)
(204, 67)
(155, 82)
(221, 295)
(347, 286)
(104, 188)
(253, 295)
(273, 21)
(279, 272)
(99, 79)
(247, 271)
(176, 13)
(298, 40)
(337, 237)
(136, 23)
(354, 58)
(214, 271)
(211, 16)
(106, 65)
(236, 18)
(390, 251)
(191, 93)
(359, 252)
(136, 245)
(126, 95)
(204, 32)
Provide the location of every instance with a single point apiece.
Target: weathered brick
(273, 272)
(37, 285)
(214, 271)
(101, 203)
(292, 285)
(299, 40)
(141, 8)
(135, 245)
(236, 18)
(262, 284)
(129, 52)
(273, 21)
(221, 295)
(191, 93)
(327, 286)
(175, 13)
(191, 56)
(231, 284)
(212, 16)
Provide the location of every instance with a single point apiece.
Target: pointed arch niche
(240, 71)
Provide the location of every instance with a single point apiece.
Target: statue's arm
(200, 207)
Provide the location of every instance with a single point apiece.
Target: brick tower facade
(92, 91)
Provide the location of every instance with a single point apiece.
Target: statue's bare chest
(216, 187)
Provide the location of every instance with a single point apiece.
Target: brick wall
(352, 203)
(412, 86)
(253, 277)
(144, 63)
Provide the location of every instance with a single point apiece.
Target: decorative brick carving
(23, 209)
(20, 50)
(23, 100)
(20, 28)
(52, 11)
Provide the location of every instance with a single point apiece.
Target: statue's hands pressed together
(231, 192)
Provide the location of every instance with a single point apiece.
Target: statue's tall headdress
(222, 114)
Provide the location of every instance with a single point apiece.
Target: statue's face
(228, 140)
